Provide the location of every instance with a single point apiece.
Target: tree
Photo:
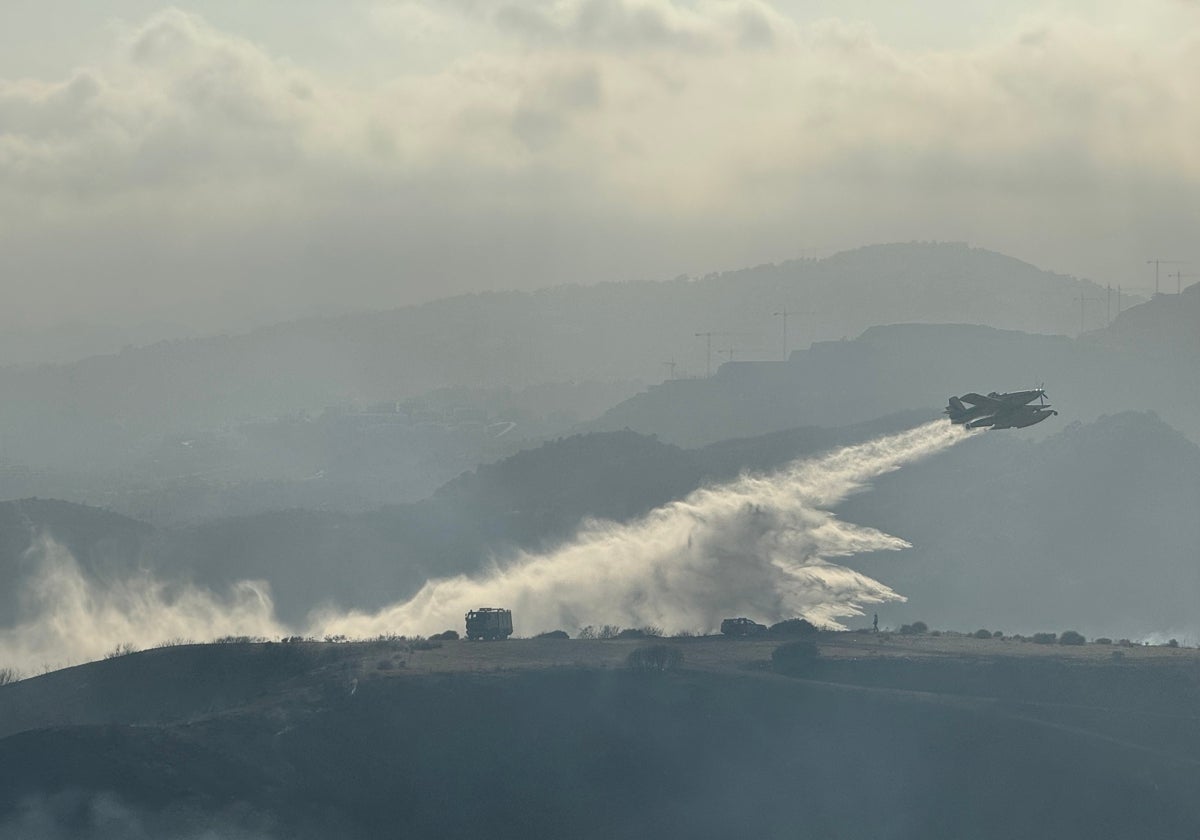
(1070, 637)
(793, 628)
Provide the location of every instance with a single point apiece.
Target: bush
(1173, 643)
(655, 658)
(1070, 637)
(553, 634)
(422, 644)
(1124, 643)
(793, 628)
(795, 657)
(1045, 638)
(631, 633)
(914, 629)
(9, 675)
(997, 634)
(1103, 640)
(445, 636)
(982, 634)
(123, 649)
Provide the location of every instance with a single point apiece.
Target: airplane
(999, 411)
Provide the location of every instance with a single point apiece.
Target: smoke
(761, 546)
(71, 619)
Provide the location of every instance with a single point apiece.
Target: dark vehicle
(742, 627)
(489, 623)
(999, 411)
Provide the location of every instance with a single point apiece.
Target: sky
(217, 164)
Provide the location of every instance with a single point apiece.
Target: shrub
(1173, 643)
(445, 636)
(1103, 640)
(654, 658)
(422, 644)
(123, 649)
(1070, 637)
(631, 633)
(914, 629)
(795, 657)
(1124, 643)
(9, 675)
(793, 628)
(997, 634)
(608, 631)
(982, 634)
(1045, 638)
(553, 634)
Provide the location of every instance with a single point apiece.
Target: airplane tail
(956, 410)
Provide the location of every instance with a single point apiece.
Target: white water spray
(761, 546)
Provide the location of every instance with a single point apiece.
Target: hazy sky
(218, 162)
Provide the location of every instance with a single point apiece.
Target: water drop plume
(762, 546)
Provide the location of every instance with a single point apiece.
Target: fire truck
(489, 623)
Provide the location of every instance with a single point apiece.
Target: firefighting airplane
(999, 411)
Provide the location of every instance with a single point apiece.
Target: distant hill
(1092, 528)
(1131, 366)
(102, 411)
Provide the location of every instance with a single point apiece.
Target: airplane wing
(983, 402)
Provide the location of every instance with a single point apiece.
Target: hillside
(912, 366)
(360, 740)
(1092, 527)
(107, 409)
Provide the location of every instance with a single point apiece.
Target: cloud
(579, 140)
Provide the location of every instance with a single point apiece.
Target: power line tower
(708, 337)
(1157, 262)
(1179, 275)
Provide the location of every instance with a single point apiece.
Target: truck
(489, 623)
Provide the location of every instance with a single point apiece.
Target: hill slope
(339, 747)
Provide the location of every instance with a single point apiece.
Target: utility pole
(708, 336)
(1179, 275)
(1107, 305)
(784, 313)
(1157, 262)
